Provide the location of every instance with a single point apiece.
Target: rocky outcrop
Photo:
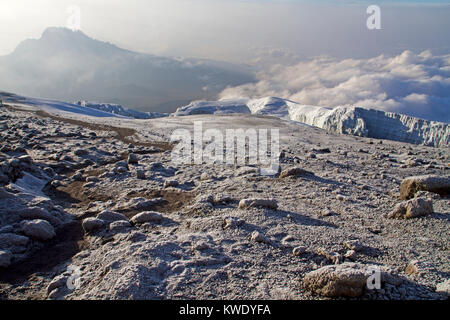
(413, 208)
(431, 183)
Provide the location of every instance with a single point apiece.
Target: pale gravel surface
(190, 255)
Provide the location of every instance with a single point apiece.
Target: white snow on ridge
(345, 120)
(80, 107)
(117, 109)
(213, 107)
(53, 106)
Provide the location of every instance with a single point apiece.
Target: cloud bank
(409, 83)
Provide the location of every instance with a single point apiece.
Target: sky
(238, 30)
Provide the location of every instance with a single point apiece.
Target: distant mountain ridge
(344, 120)
(117, 109)
(68, 65)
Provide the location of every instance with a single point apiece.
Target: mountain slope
(67, 65)
(344, 120)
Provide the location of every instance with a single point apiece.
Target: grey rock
(148, 216)
(171, 183)
(5, 259)
(92, 224)
(110, 216)
(38, 229)
(39, 213)
(140, 174)
(132, 159)
(119, 226)
(12, 239)
(256, 236)
(258, 203)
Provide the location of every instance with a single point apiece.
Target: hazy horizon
(239, 31)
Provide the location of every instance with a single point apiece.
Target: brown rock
(431, 183)
(412, 208)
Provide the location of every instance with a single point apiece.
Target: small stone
(204, 176)
(121, 169)
(418, 268)
(350, 254)
(171, 183)
(91, 224)
(80, 152)
(334, 257)
(148, 216)
(78, 177)
(132, 159)
(92, 179)
(232, 222)
(327, 213)
(258, 237)
(353, 245)
(297, 251)
(258, 203)
(111, 216)
(296, 172)
(26, 159)
(119, 226)
(140, 174)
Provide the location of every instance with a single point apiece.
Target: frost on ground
(93, 208)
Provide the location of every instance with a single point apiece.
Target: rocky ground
(95, 210)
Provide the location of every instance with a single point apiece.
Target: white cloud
(409, 83)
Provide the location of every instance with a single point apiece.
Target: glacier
(352, 120)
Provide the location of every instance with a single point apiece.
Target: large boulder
(346, 280)
(5, 258)
(38, 229)
(431, 183)
(11, 240)
(39, 213)
(413, 208)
